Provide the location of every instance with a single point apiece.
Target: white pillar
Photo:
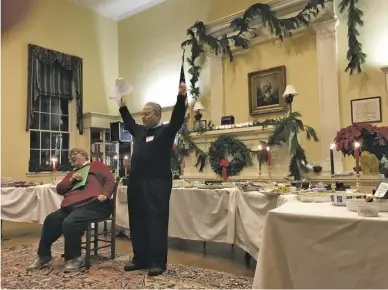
(216, 89)
(329, 109)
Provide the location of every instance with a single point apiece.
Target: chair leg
(88, 238)
(113, 239)
(95, 239)
(105, 227)
(204, 248)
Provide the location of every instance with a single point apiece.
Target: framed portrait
(266, 88)
(366, 110)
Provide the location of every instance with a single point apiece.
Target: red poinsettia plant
(373, 139)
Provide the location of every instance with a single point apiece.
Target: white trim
(384, 69)
(139, 9)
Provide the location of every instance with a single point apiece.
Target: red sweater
(100, 182)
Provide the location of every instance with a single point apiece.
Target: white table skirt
(31, 204)
(318, 245)
(224, 215)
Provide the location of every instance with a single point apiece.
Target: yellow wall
(145, 50)
(149, 45)
(150, 59)
(371, 83)
(298, 55)
(60, 25)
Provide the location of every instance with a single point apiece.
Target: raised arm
(66, 184)
(128, 120)
(178, 114)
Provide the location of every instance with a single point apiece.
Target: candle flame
(126, 157)
(115, 157)
(332, 146)
(268, 148)
(54, 159)
(357, 145)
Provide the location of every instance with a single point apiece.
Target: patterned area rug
(106, 274)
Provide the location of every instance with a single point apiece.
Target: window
(49, 134)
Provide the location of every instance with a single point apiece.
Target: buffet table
(318, 245)
(209, 215)
(213, 215)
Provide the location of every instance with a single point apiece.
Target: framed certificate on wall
(367, 110)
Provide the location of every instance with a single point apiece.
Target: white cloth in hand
(119, 89)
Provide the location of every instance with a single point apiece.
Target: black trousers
(72, 223)
(148, 208)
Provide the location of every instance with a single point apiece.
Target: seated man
(79, 206)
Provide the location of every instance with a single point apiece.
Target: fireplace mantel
(251, 137)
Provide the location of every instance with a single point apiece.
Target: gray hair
(156, 107)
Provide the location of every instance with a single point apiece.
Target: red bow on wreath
(224, 164)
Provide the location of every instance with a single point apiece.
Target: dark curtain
(56, 74)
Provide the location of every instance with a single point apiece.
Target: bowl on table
(381, 204)
(339, 198)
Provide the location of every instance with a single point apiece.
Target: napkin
(119, 89)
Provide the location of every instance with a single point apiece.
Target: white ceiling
(118, 9)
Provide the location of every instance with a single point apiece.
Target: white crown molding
(139, 9)
(384, 69)
(283, 8)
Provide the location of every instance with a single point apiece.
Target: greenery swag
(282, 28)
(286, 130)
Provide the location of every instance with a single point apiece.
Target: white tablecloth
(318, 245)
(31, 204)
(195, 214)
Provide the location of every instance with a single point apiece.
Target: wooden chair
(92, 232)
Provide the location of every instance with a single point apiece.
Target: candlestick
(259, 148)
(357, 155)
(54, 161)
(126, 165)
(332, 147)
(333, 183)
(269, 162)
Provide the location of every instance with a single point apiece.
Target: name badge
(149, 138)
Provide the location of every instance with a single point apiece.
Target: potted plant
(372, 139)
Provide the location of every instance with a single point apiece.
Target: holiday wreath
(224, 147)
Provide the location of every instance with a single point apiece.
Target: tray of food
(313, 196)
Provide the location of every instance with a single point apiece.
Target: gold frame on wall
(273, 80)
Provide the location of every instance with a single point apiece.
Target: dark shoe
(133, 267)
(74, 264)
(155, 272)
(40, 263)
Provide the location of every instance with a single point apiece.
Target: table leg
(247, 259)
(204, 248)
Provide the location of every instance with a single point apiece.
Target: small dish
(368, 210)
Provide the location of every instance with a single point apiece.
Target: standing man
(150, 183)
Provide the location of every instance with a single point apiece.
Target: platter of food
(313, 196)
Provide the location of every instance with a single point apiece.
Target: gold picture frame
(266, 88)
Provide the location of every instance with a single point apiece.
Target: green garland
(224, 146)
(284, 127)
(282, 28)
(356, 57)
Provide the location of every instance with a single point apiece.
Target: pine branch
(356, 57)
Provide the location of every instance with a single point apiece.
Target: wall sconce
(198, 108)
(384, 69)
(289, 95)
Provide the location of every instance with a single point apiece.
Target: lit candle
(54, 161)
(126, 161)
(357, 155)
(332, 147)
(269, 155)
